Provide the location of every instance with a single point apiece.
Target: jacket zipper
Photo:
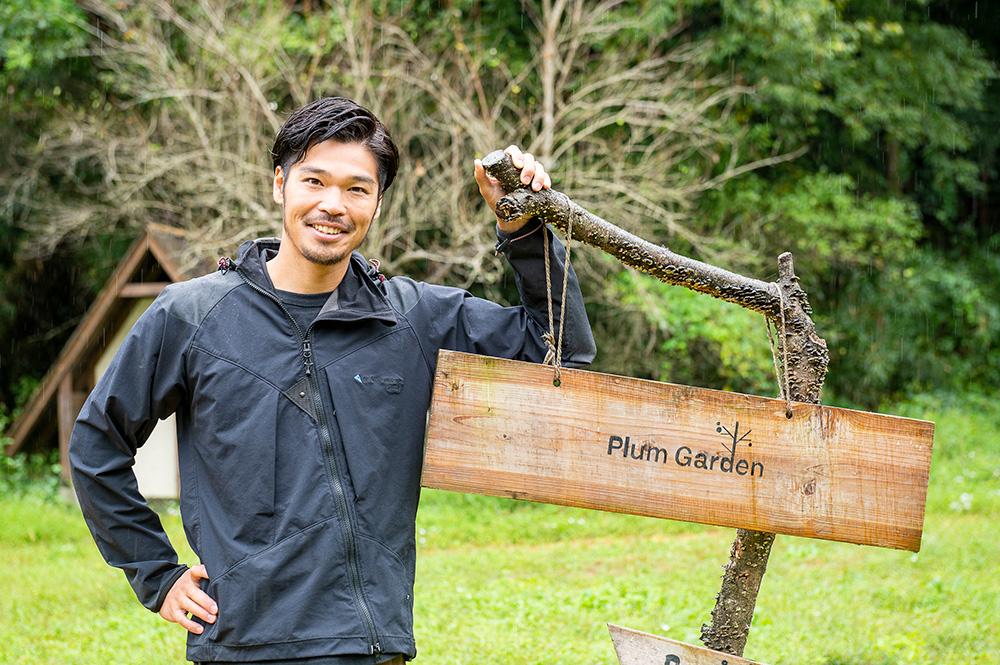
(340, 495)
(374, 648)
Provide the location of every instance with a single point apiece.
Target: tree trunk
(551, 17)
(802, 352)
(892, 152)
(734, 606)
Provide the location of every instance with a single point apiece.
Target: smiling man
(301, 378)
(328, 200)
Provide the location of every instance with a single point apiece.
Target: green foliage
(4, 423)
(34, 36)
(170, 120)
(879, 89)
(890, 102)
(45, 74)
(821, 218)
(42, 73)
(34, 476)
(932, 324)
(700, 340)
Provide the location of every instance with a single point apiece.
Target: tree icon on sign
(733, 436)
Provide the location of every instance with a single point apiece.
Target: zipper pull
(307, 356)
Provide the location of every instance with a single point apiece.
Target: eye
(313, 181)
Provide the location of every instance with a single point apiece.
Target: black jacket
(300, 451)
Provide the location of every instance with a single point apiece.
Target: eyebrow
(354, 178)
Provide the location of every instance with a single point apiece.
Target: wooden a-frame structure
(159, 256)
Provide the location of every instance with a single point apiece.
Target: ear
(279, 184)
(378, 209)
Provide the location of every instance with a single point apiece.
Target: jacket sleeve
(144, 383)
(527, 257)
(450, 318)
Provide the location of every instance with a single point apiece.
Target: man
(301, 379)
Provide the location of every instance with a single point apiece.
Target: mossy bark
(801, 351)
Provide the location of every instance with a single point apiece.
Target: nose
(332, 202)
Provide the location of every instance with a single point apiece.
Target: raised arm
(453, 319)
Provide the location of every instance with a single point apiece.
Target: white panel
(156, 463)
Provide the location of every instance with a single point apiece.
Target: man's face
(328, 201)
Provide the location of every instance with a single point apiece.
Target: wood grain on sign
(500, 427)
(636, 648)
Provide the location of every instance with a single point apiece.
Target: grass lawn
(510, 582)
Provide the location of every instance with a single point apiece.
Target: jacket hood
(359, 294)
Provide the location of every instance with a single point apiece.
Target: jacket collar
(358, 296)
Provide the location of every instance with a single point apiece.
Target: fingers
(189, 625)
(201, 605)
(483, 179)
(533, 173)
(516, 155)
(186, 598)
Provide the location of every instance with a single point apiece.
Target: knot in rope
(552, 354)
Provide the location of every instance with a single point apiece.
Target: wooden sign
(636, 648)
(500, 427)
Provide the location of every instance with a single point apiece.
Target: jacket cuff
(168, 582)
(505, 239)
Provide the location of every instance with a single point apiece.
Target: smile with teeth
(327, 230)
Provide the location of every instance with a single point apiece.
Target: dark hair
(339, 119)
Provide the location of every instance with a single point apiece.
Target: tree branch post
(804, 354)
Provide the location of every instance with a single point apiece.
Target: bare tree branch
(784, 302)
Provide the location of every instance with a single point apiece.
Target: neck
(305, 276)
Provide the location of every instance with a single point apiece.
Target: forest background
(863, 136)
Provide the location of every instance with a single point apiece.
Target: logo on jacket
(393, 384)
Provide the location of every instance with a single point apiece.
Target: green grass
(511, 582)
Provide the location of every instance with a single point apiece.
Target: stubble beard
(322, 258)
